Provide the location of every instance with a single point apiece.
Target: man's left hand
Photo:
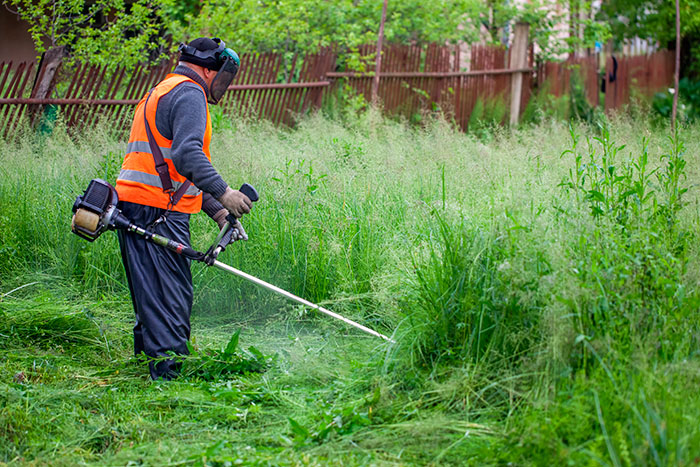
(238, 230)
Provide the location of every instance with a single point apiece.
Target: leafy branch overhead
(106, 32)
(127, 33)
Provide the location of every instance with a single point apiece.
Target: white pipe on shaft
(300, 300)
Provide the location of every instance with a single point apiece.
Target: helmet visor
(224, 76)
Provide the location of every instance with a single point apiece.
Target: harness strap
(161, 166)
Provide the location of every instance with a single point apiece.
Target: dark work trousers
(160, 282)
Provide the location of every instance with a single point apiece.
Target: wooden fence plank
(11, 91)
(14, 119)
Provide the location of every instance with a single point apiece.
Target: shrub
(688, 101)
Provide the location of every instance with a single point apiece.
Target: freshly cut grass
(49, 321)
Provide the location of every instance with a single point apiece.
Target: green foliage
(105, 32)
(345, 103)
(634, 253)
(650, 19)
(331, 421)
(487, 115)
(544, 18)
(688, 102)
(655, 20)
(462, 309)
(301, 175)
(591, 31)
(544, 106)
(548, 314)
(300, 26)
(579, 107)
(114, 32)
(628, 420)
(223, 363)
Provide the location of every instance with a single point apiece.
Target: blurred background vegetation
(105, 31)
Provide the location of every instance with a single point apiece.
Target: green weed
(223, 363)
(463, 310)
(487, 115)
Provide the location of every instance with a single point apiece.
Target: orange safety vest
(138, 181)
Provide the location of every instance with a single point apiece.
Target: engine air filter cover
(89, 209)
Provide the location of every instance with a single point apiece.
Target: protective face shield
(224, 77)
(227, 62)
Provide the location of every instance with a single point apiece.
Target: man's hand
(236, 202)
(238, 231)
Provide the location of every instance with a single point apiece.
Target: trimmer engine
(95, 211)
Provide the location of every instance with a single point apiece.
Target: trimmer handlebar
(224, 237)
(250, 192)
(95, 212)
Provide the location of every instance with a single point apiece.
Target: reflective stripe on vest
(154, 181)
(138, 181)
(143, 146)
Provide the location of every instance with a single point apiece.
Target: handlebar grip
(250, 192)
(226, 239)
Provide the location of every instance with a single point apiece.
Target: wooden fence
(259, 91)
(646, 74)
(415, 80)
(556, 77)
(617, 82)
(86, 94)
(412, 80)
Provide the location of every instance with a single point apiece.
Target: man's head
(215, 63)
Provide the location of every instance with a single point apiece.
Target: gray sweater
(181, 116)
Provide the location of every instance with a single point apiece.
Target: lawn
(542, 285)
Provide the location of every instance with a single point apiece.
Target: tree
(655, 20)
(300, 26)
(111, 32)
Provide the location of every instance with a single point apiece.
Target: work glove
(236, 202)
(238, 231)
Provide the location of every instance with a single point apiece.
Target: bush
(688, 101)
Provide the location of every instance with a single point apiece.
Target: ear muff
(203, 56)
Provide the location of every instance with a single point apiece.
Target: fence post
(45, 80)
(518, 59)
(378, 62)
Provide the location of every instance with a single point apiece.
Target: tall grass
(542, 287)
(464, 308)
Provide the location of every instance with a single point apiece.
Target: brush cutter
(95, 212)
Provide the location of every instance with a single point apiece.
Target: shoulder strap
(161, 165)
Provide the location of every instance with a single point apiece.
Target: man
(173, 122)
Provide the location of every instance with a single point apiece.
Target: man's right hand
(236, 202)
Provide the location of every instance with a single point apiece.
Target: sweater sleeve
(186, 119)
(210, 205)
